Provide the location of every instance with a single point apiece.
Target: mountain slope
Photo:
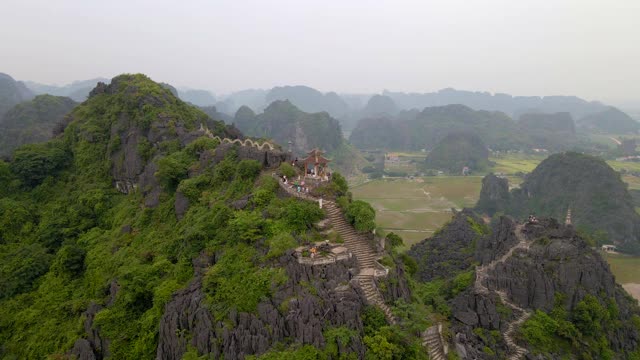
(456, 151)
(135, 235)
(598, 198)
(32, 121)
(549, 131)
(610, 121)
(513, 291)
(12, 93)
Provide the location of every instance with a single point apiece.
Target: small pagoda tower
(315, 163)
(567, 220)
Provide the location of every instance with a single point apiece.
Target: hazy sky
(583, 47)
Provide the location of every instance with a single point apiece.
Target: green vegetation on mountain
(62, 240)
(457, 151)
(91, 267)
(32, 121)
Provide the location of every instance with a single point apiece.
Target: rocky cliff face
(494, 194)
(450, 250)
(313, 299)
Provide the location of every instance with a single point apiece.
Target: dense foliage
(69, 239)
(582, 331)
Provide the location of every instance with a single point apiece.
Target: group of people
(533, 219)
(300, 186)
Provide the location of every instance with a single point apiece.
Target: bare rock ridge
(187, 320)
(529, 267)
(516, 352)
(366, 257)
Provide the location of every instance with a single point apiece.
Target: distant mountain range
(77, 90)
(351, 109)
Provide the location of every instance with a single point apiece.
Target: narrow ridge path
(482, 274)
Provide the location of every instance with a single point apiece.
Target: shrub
(279, 244)
(145, 149)
(235, 281)
(247, 226)
(394, 240)
(339, 184)
(361, 215)
(301, 215)
(69, 261)
(410, 264)
(287, 170)
(172, 169)
(461, 282)
(20, 266)
(262, 197)
(200, 145)
(372, 319)
(248, 170)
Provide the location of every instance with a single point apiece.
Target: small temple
(315, 164)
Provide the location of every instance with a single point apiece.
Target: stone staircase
(432, 339)
(517, 352)
(360, 247)
(365, 257)
(482, 274)
(373, 296)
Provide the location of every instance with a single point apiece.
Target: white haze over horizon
(585, 48)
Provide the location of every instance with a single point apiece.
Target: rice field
(414, 209)
(625, 268)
